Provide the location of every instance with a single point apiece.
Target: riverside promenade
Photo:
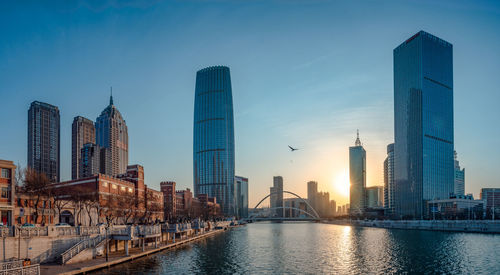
(473, 226)
(118, 257)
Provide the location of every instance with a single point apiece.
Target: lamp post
(107, 243)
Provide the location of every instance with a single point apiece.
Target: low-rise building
(7, 187)
(491, 198)
(455, 207)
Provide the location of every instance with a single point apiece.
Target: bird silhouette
(292, 149)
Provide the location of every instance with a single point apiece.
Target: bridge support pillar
(126, 248)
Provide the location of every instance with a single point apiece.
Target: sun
(341, 183)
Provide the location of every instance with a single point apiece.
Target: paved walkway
(114, 258)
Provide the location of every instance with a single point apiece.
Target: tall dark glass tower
(44, 139)
(213, 137)
(423, 123)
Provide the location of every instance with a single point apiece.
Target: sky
(304, 73)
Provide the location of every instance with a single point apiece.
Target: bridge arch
(287, 207)
(288, 192)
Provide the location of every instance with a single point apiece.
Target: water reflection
(312, 248)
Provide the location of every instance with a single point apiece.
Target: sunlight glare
(341, 183)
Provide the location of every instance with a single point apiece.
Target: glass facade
(357, 178)
(242, 196)
(389, 181)
(423, 123)
(213, 137)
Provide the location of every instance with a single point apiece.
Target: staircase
(81, 246)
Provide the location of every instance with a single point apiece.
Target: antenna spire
(358, 142)
(111, 97)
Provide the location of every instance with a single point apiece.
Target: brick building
(7, 187)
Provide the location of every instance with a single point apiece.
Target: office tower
(459, 188)
(169, 203)
(90, 160)
(312, 191)
(375, 196)
(423, 123)
(44, 139)
(276, 198)
(82, 132)
(213, 141)
(111, 132)
(333, 207)
(242, 196)
(357, 177)
(491, 198)
(389, 181)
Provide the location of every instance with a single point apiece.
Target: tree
(35, 186)
(61, 200)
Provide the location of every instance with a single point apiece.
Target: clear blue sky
(305, 73)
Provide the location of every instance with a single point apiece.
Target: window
(130, 190)
(5, 192)
(25, 203)
(104, 184)
(123, 188)
(5, 173)
(113, 186)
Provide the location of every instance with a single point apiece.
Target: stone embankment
(475, 226)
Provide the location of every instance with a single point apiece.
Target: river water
(315, 248)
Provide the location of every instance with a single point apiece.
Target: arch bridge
(312, 215)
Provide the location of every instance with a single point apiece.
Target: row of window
(114, 186)
(5, 173)
(26, 203)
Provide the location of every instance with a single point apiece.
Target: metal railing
(11, 264)
(22, 270)
(80, 246)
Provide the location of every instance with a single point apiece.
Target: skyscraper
(242, 196)
(44, 139)
(374, 196)
(389, 180)
(423, 123)
(276, 198)
(213, 137)
(459, 188)
(82, 132)
(312, 191)
(90, 160)
(112, 133)
(357, 177)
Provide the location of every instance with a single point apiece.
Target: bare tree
(61, 200)
(35, 186)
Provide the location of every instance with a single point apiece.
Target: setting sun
(341, 183)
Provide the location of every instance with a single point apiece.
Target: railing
(120, 230)
(67, 231)
(33, 231)
(23, 270)
(147, 230)
(5, 231)
(89, 230)
(11, 264)
(80, 246)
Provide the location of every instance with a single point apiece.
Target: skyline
(324, 129)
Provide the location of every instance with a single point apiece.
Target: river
(315, 248)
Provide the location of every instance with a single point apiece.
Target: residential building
(7, 186)
(276, 198)
(357, 177)
(242, 196)
(423, 123)
(90, 160)
(491, 198)
(459, 188)
(213, 131)
(168, 189)
(389, 188)
(82, 132)
(295, 208)
(375, 197)
(112, 133)
(44, 139)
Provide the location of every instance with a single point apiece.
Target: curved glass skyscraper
(213, 142)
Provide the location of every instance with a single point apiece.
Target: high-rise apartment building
(357, 177)
(459, 188)
(389, 181)
(111, 132)
(82, 132)
(242, 196)
(169, 203)
(90, 160)
(213, 131)
(44, 139)
(276, 198)
(423, 123)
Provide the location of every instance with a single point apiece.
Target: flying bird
(292, 149)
